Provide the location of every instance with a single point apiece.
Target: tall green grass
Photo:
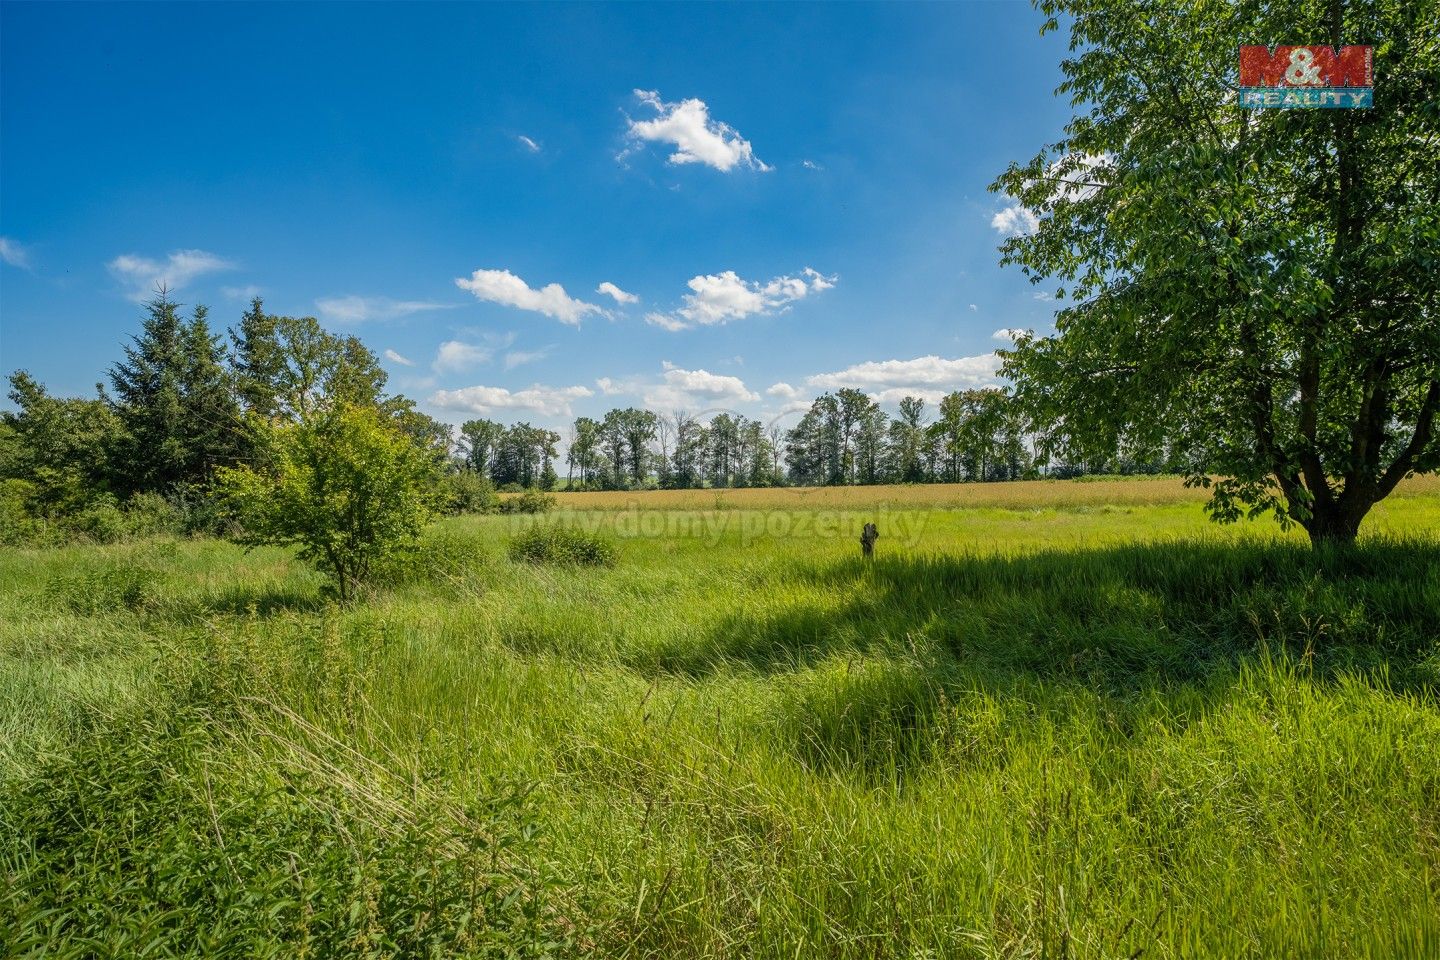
(1075, 733)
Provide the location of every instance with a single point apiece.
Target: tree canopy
(1254, 290)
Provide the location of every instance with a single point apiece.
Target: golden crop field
(1016, 495)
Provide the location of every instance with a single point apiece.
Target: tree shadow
(908, 638)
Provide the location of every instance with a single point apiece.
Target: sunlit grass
(1069, 728)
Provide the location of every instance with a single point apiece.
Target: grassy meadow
(1052, 719)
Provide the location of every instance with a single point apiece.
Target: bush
(468, 492)
(531, 501)
(344, 484)
(18, 527)
(102, 521)
(562, 545)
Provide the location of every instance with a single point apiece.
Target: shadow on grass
(905, 637)
(265, 600)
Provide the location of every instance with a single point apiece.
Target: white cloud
(517, 358)
(1006, 334)
(620, 296)
(353, 309)
(538, 399)
(503, 287)
(811, 165)
(666, 322)
(454, 356)
(144, 276)
(784, 391)
(930, 377)
(973, 307)
(14, 253)
(527, 143)
(681, 389)
(696, 137)
(720, 298)
(1044, 297)
(247, 292)
(394, 357)
(1015, 219)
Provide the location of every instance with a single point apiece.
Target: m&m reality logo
(1291, 77)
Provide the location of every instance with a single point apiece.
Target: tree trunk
(1335, 523)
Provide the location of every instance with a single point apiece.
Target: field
(1057, 719)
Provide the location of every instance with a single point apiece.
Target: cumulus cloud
(811, 165)
(697, 138)
(542, 400)
(620, 296)
(784, 391)
(681, 389)
(394, 357)
(503, 287)
(353, 309)
(930, 377)
(1015, 219)
(527, 143)
(143, 276)
(454, 356)
(973, 307)
(516, 358)
(719, 298)
(14, 253)
(1007, 334)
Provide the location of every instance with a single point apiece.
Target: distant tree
(177, 415)
(1288, 345)
(346, 484)
(257, 361)
(480, 439)
(57, 446)
(584, 451)
(612, 443)
(640, 427)
(686, 462)
(908, 441)
(286, 366)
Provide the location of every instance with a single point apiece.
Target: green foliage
(57, 446)
(1288, 345)
(556, 544)
(345, 484)
(527, 501)
(469, 492)
(178, 416)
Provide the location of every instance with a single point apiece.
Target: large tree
(1256, 289)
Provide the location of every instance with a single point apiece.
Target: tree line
(844, 438)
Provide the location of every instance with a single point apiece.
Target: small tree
(345, 484)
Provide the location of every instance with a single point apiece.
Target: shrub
(531, 501)
(438, 557)
(466, 491)
(149, 514)
(102, 521)
(18, 526)
(344, 484)
(562, 545)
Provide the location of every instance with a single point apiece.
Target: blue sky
(794, 195)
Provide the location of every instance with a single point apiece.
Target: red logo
(1307, 67)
